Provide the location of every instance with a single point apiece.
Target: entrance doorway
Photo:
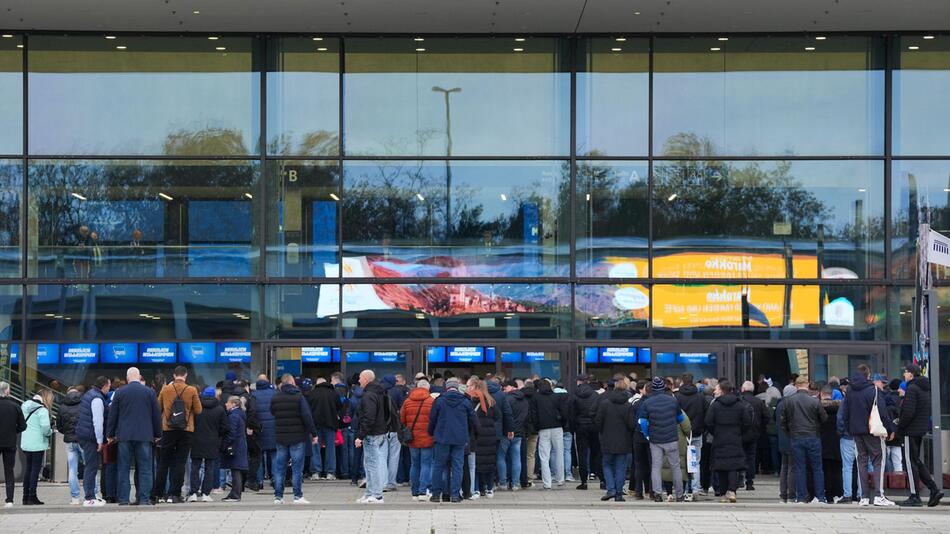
(782, 364)
(511, 360)
(315, 361)
(602, 363)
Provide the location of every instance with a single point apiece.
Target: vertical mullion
(262, 273)
(650, 51)
(889, 49)
(572, 196)
(339, 205)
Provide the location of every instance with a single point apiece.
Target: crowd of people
(454, 438)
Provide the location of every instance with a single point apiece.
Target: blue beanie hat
(389, 381)
(208, 392)
(230, 375)
(658, 384)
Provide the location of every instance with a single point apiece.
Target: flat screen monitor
(618, 355)
(701, 358)
(490, 354)
(387, 356)
(534, 356)
(510, 356)
(196, 352)
(467, 354)
(665, 357)
(435, 354)
(316, 355)
(163, 352)
(14, 354)
(121, 353)
(357, 357)
(590, 354)
(47, 354)
(79, 353)
(643, 355)
(234, 352)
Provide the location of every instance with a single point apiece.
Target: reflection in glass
(302, 201)
(769, 311)
(301, 311)
(149, 95)
(613, 86)
(612, 219)
(775, 219)
(11, 188)
(701, 364)
(11, 299)
(769, 95)
(920, 83)
(303, 96)
(134, 219)
(507, 219)
(11, 94)
(612, 311)
(920, 193)
(460, 311)
(457, 97)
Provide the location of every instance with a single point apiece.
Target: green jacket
(684, 431)
(38, 428)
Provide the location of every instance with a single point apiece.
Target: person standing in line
(66, 425)
(640, 482)
(802, 417)
(693, 403)
(727, 421)
(326, 407)
(235, 448)
(914, 423)
(12, 423)
(659, 414)
(211, 426)
(614, 421)
(90, 431)
(135, 422)
(548, 415)
(266, 443)
(450, 421)
(375, 414)
(529, 447)
(830, 447)
(35, 441)
(414, 417)
(180, 403)
(293, 432)
(857, 406)
(503, 429)
(752, 433)
(583, 409)
(485, 439)
(509, 469)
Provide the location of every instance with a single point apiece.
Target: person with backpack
(180, 403)
(862, 400)
(35, 441)
(415, 421)
(66, 425)
(211, 427)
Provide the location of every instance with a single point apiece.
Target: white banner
(938, 249)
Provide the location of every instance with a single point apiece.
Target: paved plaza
(527, 511)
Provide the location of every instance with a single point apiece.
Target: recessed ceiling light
(7, 36)
(621, 39)
(636, 12)
(913, 48)
(196, 12)
(519, 39)
(221, 48)
(213, 38)
(616, 49)
(121, 47)
(946, 190)
(820, 38)
(862, 190)
(672, 197)
(19, 46)
(503, 197)
(809, 48)
(715, 49)
(419, 39)
(420, 49)
(322, 49)
(723, 39)
(518, 49)
(928, 37)
(318, 38)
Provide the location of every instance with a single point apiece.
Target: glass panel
(534, 365)
(612, 311)
(920, 192)
(302, 200)
(507, 219)
(769, 219)
(301, 311)
(314, 361)
(457, 97)
(612, 219)
(11, 299)
(604, 363)
(383, 362)
(142, 312)
(772, 311)
(463, 361)
(838, 365)
(11, 94)
(459, 311)
(920, 80)
(303, 96)
(700, 363)
(149, 95)
(613, 96)
(768, 95)
(11, 188)
(143, 219)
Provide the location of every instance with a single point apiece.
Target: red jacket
(420, 434)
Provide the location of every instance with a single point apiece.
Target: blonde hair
(46, 397)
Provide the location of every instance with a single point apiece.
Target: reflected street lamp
(448, 154)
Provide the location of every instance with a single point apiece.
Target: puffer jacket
(915, 410)
(693, 403)
(419, 402)
(659, 414)
(38, 426)
(485, 440)
(211, 426)
(520, 412)
(264, 394)
(584, 407)
(69, 416)
(727, 419)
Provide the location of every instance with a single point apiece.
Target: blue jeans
(90, 476)
(326, 437)
(376, 463)
(295, 453)
(550, 446)
(343, 454)
(568, 445)
(392, 465)
(509, 461)
(142, 453)
(73, 454)
(615, 471)
(447, 458)
(355, 455)
(848, 455)
(807, 452)
(420, 470)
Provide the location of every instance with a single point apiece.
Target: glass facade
(216, 188)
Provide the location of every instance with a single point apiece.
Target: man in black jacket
(694, 404)
(11, 424)
(375, 415)
(293, 429)
(583, 409)
(548, 412)
(801, 419)
(66, 420)
(914, 423)
(520, 413)
(326, 407)
(750, 438)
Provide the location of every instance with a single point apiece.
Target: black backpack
(177, 418)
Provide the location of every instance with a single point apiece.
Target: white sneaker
(315, 476)
(75, 501)
(476, 496)
(490, 494)
(331, 476)
(864, 502)
(193, 497)
(881, 500)
(206, 498)
(217, 491)
(374, 500)
(92, 502)
(278, 501)
(300, 500)
(8, 505)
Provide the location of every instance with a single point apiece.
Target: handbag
(692, 457)
(338, 438)
(405, 437)
(110, 453)
(875, 424)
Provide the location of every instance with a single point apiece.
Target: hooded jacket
(727, 419)
(760, 417)
(485, 438)
(375, 411)
(615, 422)
(237, 440)
(415, 416)
(520, 412)
(548, 408)
(501, 401)
(915, 410)
(292, 420)
(830, 442)
(11, 422)
(211, 426)
(658, 416)
(325, 406)
(857, 407)
(68, 416)
(451, 418)
(584, 407)
(693, 403)
(263, 395)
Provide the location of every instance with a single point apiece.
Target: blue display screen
(316, 355)
(624, 355)
(643, 355)
(387, 357)
(435, 354)
(14, 354)
(534, 356)
(158, 352)
(590, 354)
(357, 357)
(701, 358)
(234, 352)
(119, 352)
(490, 353)
(665, 357)
(79, 353)
(336, 354)
(288, 366)
(465, 354)
(196, 352)
(47, 354)
(510, 357)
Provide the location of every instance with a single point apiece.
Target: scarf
(477, 394)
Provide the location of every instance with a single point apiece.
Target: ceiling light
(322, 49)
(7, 36)
(672, 197)
(518, 49)
(52, 314)
(723, 39)
(248, 195)
(334, 197)
(809, 48)
(616, 49)
(221, 48)
(110, 36)
(588, 197)
(504, 197)
(120, 47)
(621, 39)
(77, 195)
(636, 12)
(166, 197)
(519, 39)
(419, 39)
(862, 190)
(213, 38)
(19, 46)
(420, 49)
(715, 49)
(913, 48)
(318, 38)
(196, 12)
(820, 38)
(928, 37)
(420, 197)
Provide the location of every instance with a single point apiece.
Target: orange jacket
(420, 434)
(189, 395)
